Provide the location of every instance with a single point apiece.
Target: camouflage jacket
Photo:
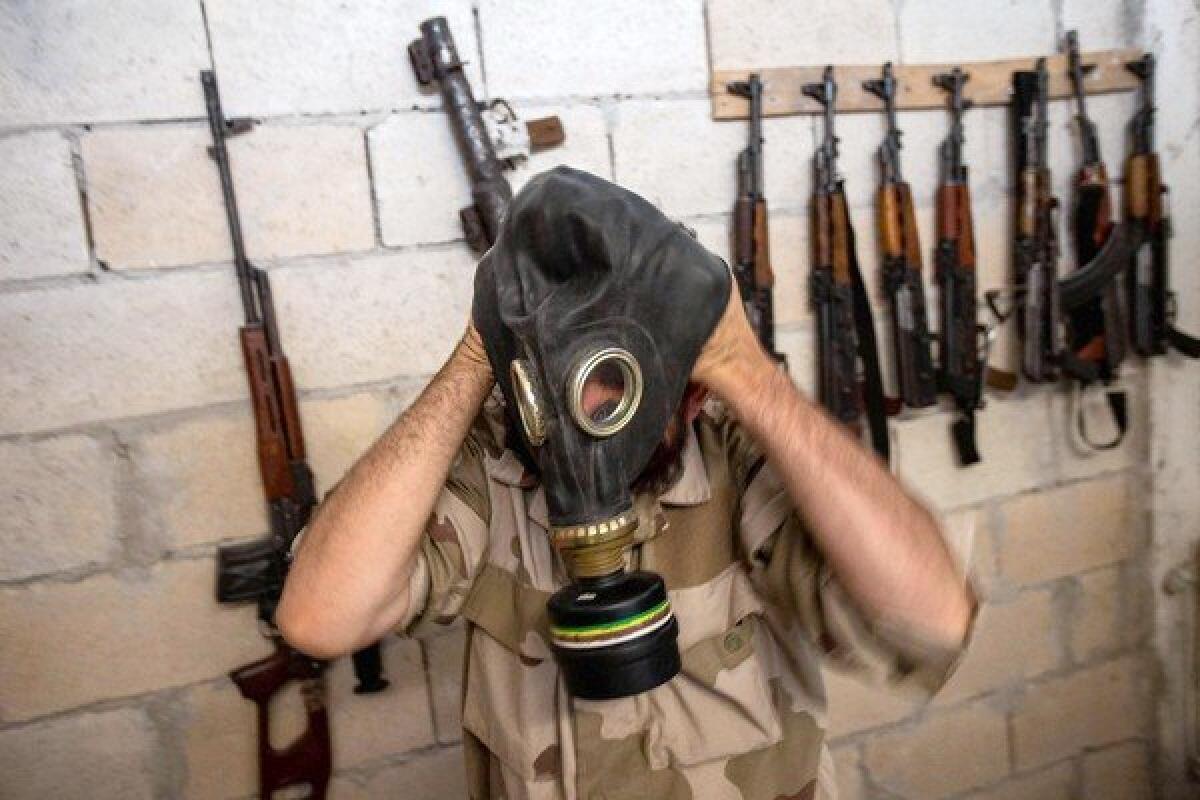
(757, 606)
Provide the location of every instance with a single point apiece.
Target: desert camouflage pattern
(758, 611)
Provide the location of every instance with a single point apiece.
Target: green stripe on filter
(616, 626)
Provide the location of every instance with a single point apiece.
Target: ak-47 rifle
(901, 248)
(751, 254)
(963, 340)
(254, 571)
(489, 138)
(845, 330)
(1035, 245)
(1095, 329)
(1151, 301)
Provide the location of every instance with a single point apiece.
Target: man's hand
(731, 352)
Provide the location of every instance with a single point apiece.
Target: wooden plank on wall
(990, 84)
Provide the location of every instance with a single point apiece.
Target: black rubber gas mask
(593, 308)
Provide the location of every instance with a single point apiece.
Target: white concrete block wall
(127, 440)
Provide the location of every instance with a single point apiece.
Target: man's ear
(693, 400)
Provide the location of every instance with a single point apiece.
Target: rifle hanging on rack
(1096, 331)
(490, 138)
(1035, 241)
(901, 249)
(845, 330)
(962, 351)
(1151, 302)
(254, 571)
(751, 252)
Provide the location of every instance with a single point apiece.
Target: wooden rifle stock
(764, 276)
(308, 760)
(270, 418)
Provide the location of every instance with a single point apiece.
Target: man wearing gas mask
(653, 536)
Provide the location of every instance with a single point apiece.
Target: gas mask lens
(604, 391)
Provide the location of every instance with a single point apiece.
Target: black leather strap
(868, 353)
(1119, 409)
(964, 439)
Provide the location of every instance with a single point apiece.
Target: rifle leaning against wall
(751, 251)
(489, 138)
(845, 330)
(963, 342)
(1151, 301)
(901, 250)
(254, 571)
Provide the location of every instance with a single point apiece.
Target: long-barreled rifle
(901, 249)
(254, 571)
(751, 251)
(963, 341)
(845, 330)
(490, 139)
(1151, 302)
(1091, 294)
(1035, 242)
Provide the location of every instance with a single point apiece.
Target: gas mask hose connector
(595, 549)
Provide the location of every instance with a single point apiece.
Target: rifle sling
(1118, 407)
(1184, 343)
(868, 352)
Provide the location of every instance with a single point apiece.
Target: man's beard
(666, 462)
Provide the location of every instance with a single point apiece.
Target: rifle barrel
(220, 129)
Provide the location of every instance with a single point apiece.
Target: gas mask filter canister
(593, 308)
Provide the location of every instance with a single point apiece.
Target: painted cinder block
(1056, 532)
(277, 58)
(220, 742)
(1061, 717)
(119, 348)
(198, 480)
(1013, 641)
(1118, 773)
(411, 307)
(536, 48)
(59, 497)
(367, 728)
(942, 754)
(155, 197)
(1014, 443)
(933, 30)
(104, 754)
(167, 615)
(675, 156)
(770, 33)
(79, 62)
(41, 219)
(437, 773)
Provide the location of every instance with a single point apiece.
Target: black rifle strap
(868, 351)
(1118, 407)
(1188, 345)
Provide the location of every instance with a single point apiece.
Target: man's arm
(349, 582)
(883, 545)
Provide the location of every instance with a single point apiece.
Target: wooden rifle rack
(990, 84)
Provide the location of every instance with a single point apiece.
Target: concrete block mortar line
(138, 546)
(140, 701)
(303, 261)
(360, 773)
(168, 716)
